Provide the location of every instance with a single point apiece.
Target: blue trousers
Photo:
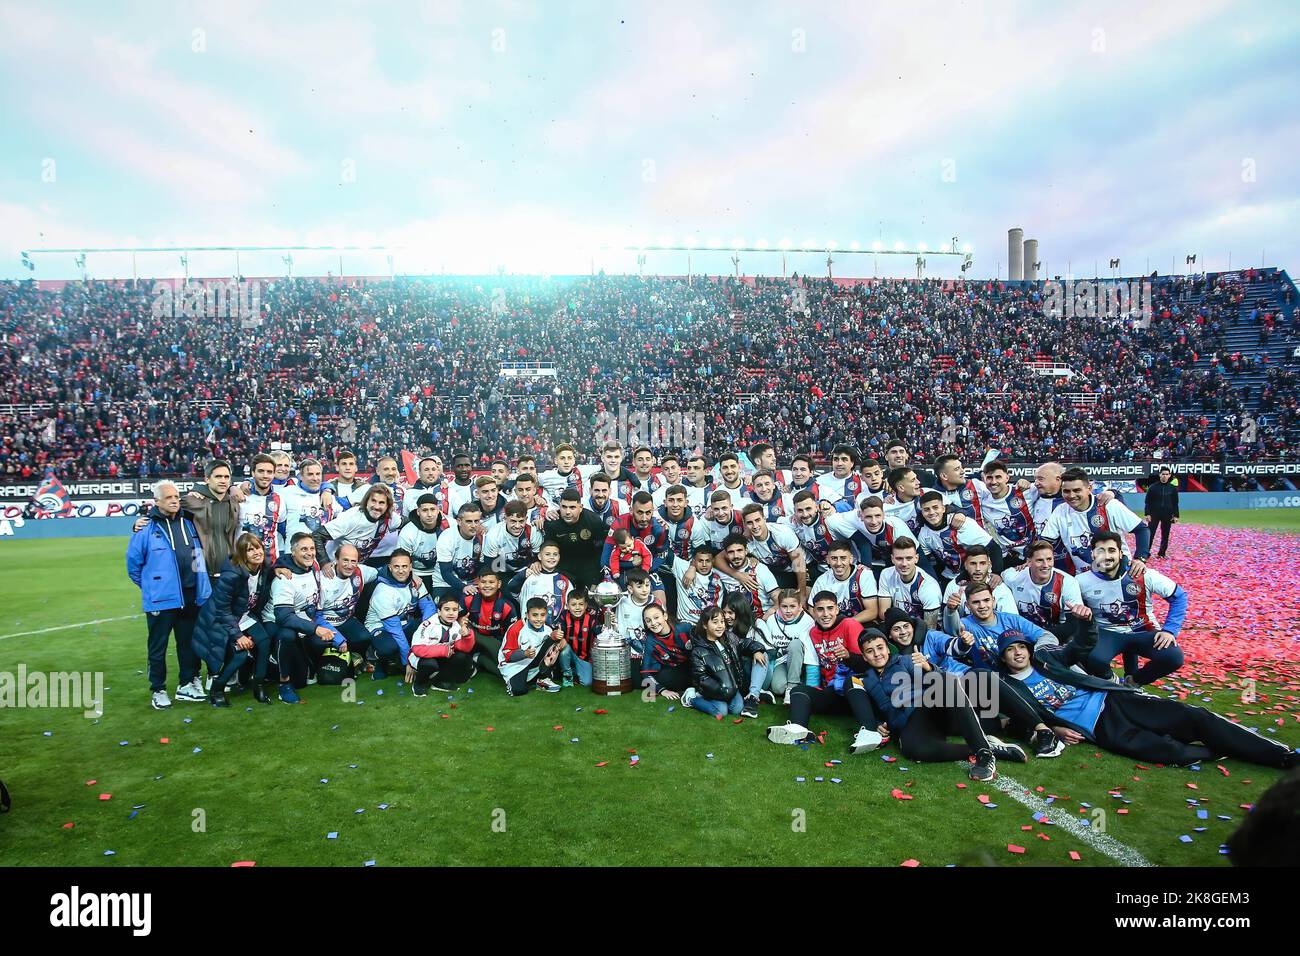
(1159, 663)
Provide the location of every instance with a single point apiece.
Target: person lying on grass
(1127, 722)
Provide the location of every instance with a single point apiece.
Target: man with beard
(460, 491)
(262, 510)
(345, 487)
(581, 537)
(600, 503)
(365, 526)
(1084, 515)
(429, 482)
(307, 503)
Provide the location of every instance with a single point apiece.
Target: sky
(483, 137)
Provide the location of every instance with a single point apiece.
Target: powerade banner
(96, 489)
(1143, 469)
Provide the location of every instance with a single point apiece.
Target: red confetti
(1223, 770)
(489, 729)
(1011, 847)
(164, 740)
(1044, 836)
(899, 794)
(106, 796)
(1122, 812)
(739, 720)
(961, 786)
(910, 863)
(1027, 826)
(1192, 786)
(600, 710)
(983, 798)
(1075, 856)
(602, 763)
(558, 727)
(243, 863)
(68, 826)
(91, 783)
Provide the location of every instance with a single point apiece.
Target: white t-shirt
(705, 591)
(1076, 528)
(338, 596)
(465, 554)
(1045, 603)
(354, 527)
(851, 593)
(914, 598)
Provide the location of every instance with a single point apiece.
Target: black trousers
(162, 624)
(806, 701)
(448, 671)
(925, 735)
(672, 678)
(291, 657)
(522, 682)
(1165, 525)
(1166, 731)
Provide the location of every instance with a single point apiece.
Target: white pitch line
(64, 627)
(1102, 843)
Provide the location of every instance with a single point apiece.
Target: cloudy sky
(478, 136)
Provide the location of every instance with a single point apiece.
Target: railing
(1083, 398)
(43, 408)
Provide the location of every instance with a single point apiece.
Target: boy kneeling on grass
(529, 654)
(442, 650)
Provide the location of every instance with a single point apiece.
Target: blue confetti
(469, 690)
(1085, 822)
(383, 806)
(123, 743)
(333, 835)
(368, 863)
(352, 766)
(1203, 814)
(904, 769)
(1200, 830)
(709, 756)
(189, 720)
(573, 740)
(836, 780)
(1185, 838)
(324, 779)
(1196, 767)
(138, 806)
(335, 727)
(800, 779)
(1050, 800)
(819, 779)
(47, 734)
(1223, 851)
(1086, 806)
(134, 814)
(110, 853)
(359, 810)
(576, 709)
(379, 693)
(837, 762)
(197, 750)
(1224, 817)
(990, 806)
(671, 709)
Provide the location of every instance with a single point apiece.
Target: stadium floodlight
(785, 243)
(855, 245)
(877, 245)
(715, 243)
(810, 243)
(899, 246)
(760, 244)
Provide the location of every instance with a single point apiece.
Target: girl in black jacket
(229, 625)
(718, 668)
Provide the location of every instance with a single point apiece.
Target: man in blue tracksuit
(165, 561)
(1126, 721)
(398, 606)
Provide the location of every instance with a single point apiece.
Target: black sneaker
(1046, 744)
(985, 767)
(445, 687)
(751, 707)
(768, 696)
(1005, 751)
(420, 690)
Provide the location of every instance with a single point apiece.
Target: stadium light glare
(830, 245)
(785, 243)
(715, 243)
(877, 245)
(665, 241)
(967, 248)
(760, 244)
(855, 245)
(692, 241)
(898, 246)
(810, 243)
(920, 247)
(738, 243)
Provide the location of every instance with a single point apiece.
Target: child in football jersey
(667, 662)
(441, 650)
(546, 583)
(627, 613)
(530, 655)
(576, 628)
(628, 553)
(1122, 605)
(786, 635)
(490, 615)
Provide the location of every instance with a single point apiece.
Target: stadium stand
(94, 385)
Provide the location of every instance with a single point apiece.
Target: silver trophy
(611, 655)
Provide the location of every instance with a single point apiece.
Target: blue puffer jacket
(895, 692)
(153, 560)
(218, 624)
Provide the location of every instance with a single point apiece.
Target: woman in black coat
(229, 625)
(718, 659)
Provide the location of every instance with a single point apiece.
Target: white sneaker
(786, 699)
(193, 691)
(205, 686)
(548, 685)
(788, 733)
(688, 695)
(866, 741)
(160, 700)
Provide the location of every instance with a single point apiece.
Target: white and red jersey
(718, 532)
(913, 597)
(1045, 604)
(908, 512)
(339, 595)
(520, 636)
(882, 542)
(454, 495)
(833, 489)
(781, 506)
(967, 498)
(774, 552)
(852, 593)
(433, 639)
(552, 587)
(684, 535)
(262, 515)
(947, 548)
(1126, 603)
(1010, 519)
(1075, 529)
(354, 527)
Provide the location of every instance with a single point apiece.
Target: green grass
(257, 779)
(1265, 519)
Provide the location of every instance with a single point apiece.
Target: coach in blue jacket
(165, 561)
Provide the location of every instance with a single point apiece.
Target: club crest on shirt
(1131, 588)
(584, 534)
(1095, 521)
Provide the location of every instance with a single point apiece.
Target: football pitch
(478, 778)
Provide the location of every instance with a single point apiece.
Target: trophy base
(612, 688)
